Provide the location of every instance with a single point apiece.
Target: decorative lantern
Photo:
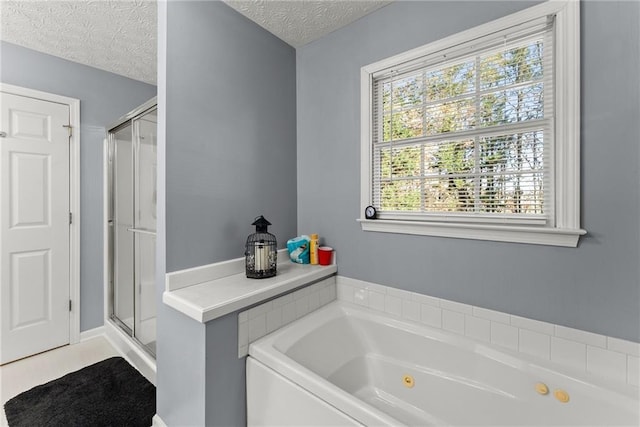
(261, 256)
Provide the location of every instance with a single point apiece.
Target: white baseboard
(92, 333)
(157, 421)
(130, 351)
(123, 345)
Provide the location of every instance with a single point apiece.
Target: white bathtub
(346, 365)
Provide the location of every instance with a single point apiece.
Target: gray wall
(104, 97)
(225, 377)
(594, 287)
(229, 95)
(231, 152)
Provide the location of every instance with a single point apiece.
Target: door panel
(145, 330)
(30, 288)
(30, 125)
(146, 166)
(145, 219)
(29, 189)
(123, 289)
(34, 226)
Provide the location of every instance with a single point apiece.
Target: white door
(34, 226)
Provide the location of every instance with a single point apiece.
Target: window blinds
(466, 133)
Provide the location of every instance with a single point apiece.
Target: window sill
(493, 232)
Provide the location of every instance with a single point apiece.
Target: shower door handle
(141, 231)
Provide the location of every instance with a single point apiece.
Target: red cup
(324, 255)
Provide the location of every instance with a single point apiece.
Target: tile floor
(25, 374)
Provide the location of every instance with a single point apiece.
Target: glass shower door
(122, 222)
(145, 226)
(133, 165)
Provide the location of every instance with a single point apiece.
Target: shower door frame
(108, 232)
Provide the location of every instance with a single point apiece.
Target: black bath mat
(108, 393)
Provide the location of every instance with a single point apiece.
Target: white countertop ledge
(215, 298)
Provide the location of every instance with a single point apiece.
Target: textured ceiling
(121, 36)
(117, 36)
(299, 22)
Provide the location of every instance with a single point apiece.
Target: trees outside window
(439, 151)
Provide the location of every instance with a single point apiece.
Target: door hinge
(69, 305)
(70, 218)
(69, 128)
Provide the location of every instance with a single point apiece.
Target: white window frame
(566, 229)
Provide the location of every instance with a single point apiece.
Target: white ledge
(494, 232)
(208, 300)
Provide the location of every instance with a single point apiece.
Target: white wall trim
(157, 421)
(564, 229)
(105, 229)
(74, 177)
(125, 346)
(131, 351)
(74, 196)
(92, 333)
(493, 232)
(209, 272)
(567, 116)
(166, 397)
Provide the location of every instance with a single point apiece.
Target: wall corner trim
(157, 421)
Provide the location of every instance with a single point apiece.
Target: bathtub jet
(346, 365)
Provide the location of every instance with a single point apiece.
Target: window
(477, 135)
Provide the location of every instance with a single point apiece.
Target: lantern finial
(261, 224)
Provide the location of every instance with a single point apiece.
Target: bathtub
(346, 365)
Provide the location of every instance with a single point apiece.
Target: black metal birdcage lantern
(261, 255)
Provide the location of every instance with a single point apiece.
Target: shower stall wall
(131, 225)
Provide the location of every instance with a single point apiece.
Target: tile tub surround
(265, 318)
(606, 357)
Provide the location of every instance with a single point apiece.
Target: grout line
(583, 338)
(297, 301)
(384, 299)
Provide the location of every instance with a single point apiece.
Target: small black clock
(370, 212)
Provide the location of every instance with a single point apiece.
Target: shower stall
(130, 175)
